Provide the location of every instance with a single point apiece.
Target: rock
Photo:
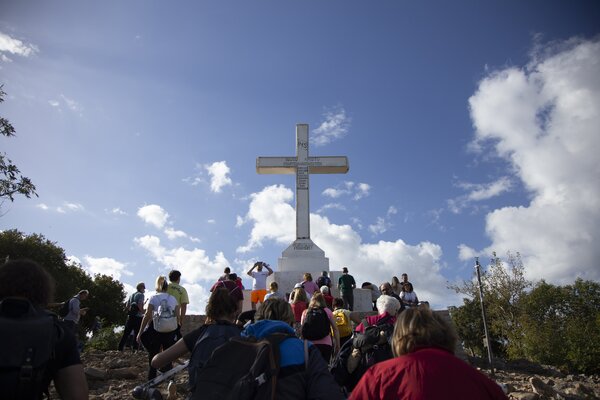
(524, 396)
(123, 373)
(541, 388)
(96, 374)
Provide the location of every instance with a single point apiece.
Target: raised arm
(250, 270)
(268, 268)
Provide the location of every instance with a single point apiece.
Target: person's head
(395, 280)
(366, 285)
(386, 288)
(174, 276)
(299, 295)
(387, 304)
(258, 265)
(221, 305)
(275, 309)
(324, 273)
(317, 301)
(338, 303)
(308, 276)
(418, 327)
(161, 284)
(26, 279)
(227, 270)
(407, 287)
(140, 287)
(274, 286)
(344, 270)
(83, 294)
(404, 278)
(232, 277)
(324, 289)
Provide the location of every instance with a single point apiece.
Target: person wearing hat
(346, 285)
(134, 320)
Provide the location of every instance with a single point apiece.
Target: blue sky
(470, 127)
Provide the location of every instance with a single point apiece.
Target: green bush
(104, 339)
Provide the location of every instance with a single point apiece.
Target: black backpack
(374, 345)
(316, 324)
(28, 338)
(241, 369)
(65, 307)
(132, 307)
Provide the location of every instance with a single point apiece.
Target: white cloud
(543, 119)
(105, 266)
(478, 192)
(193, 264)
(153, 214)
(272, 216)
(348, 188)
(334, 127)
(69, 207)
(219, 178)
(42, 206)
(211, 221)
(173, 234)
(116, 211)
(15, 46)
(331, 206)
(379, 227)
(273, 219)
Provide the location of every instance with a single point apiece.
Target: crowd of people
(325, 350)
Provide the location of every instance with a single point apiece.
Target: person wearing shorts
(259, 285)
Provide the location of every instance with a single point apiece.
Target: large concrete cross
(302, 165)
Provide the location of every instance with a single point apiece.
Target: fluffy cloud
(543, 119)
(219, 175)
(65, 208)
(194, 264)
(15, 46)
(153, 214)
(273, 219)
(105, 266)
(272, 215)
(478, 192)
(335, 126)
(382, 224)
(348, 188)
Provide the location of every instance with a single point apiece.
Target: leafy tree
(11, 180)
(469, 326)
(503, 287)
(107, 295)
(543, 322)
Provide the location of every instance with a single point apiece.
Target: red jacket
(427, 373)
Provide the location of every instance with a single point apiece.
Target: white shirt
(157, 298)
(260, 279)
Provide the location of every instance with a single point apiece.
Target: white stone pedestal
(303, 256)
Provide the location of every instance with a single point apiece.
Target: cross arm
(276, 165)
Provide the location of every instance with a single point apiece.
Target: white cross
(302, 165)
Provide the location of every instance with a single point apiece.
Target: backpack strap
(275, 340)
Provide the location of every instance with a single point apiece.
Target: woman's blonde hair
(308, 276)
(275, 309)
(299, 295)
(317, 301)
(420, 327)
(161, 284)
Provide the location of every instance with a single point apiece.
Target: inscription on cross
(302, 165)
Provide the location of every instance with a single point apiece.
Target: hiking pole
(485, 329)
(147, 391)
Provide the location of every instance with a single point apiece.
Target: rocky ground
(114, 375)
